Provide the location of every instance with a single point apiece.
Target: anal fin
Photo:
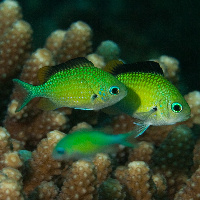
(46, 104)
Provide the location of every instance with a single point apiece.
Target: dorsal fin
(46, 72)
(42, 74)
(116, 68)
(112, 65)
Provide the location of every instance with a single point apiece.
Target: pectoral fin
(140, 128)
(140, 125)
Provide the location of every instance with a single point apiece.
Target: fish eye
(114, 90)
(177, 107)
(60, 150)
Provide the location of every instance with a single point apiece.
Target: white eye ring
(114, 90)
(176, 107)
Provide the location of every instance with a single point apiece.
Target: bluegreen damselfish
(76, 83)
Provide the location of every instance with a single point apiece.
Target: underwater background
(142, 29)
(37, 33)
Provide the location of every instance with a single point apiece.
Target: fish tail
(25, 92)
(128, 139)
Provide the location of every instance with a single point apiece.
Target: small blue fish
(85, 144)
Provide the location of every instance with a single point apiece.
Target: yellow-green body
(75, 88)
(147, 91)
(80, 86)
(85, 144)
(151, 98)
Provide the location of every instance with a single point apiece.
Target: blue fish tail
(25, 93)
(128, 139)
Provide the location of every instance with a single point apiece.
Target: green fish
(76, 83)
(84, 144)
(151, 98)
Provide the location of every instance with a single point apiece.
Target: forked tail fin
(127, 139)
(25, 91)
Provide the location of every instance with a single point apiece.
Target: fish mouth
(186, 117)
(180, 119)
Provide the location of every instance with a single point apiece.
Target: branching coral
(103, 167)
(42, 166)
(111, 189)
(170, 67)
(75, 42)
(193, 99)
(14, 40)
(79, 32)
(15, 43)
(10, 188)
(137, 179)
(109, 50)
(161, 186)
(8, 156)
(173, 158)
(192, 189)
(196, 152)
(24, 124)
(142, 153)
(10, 12)
(45, 191)
(80, 182)
(164, 165)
